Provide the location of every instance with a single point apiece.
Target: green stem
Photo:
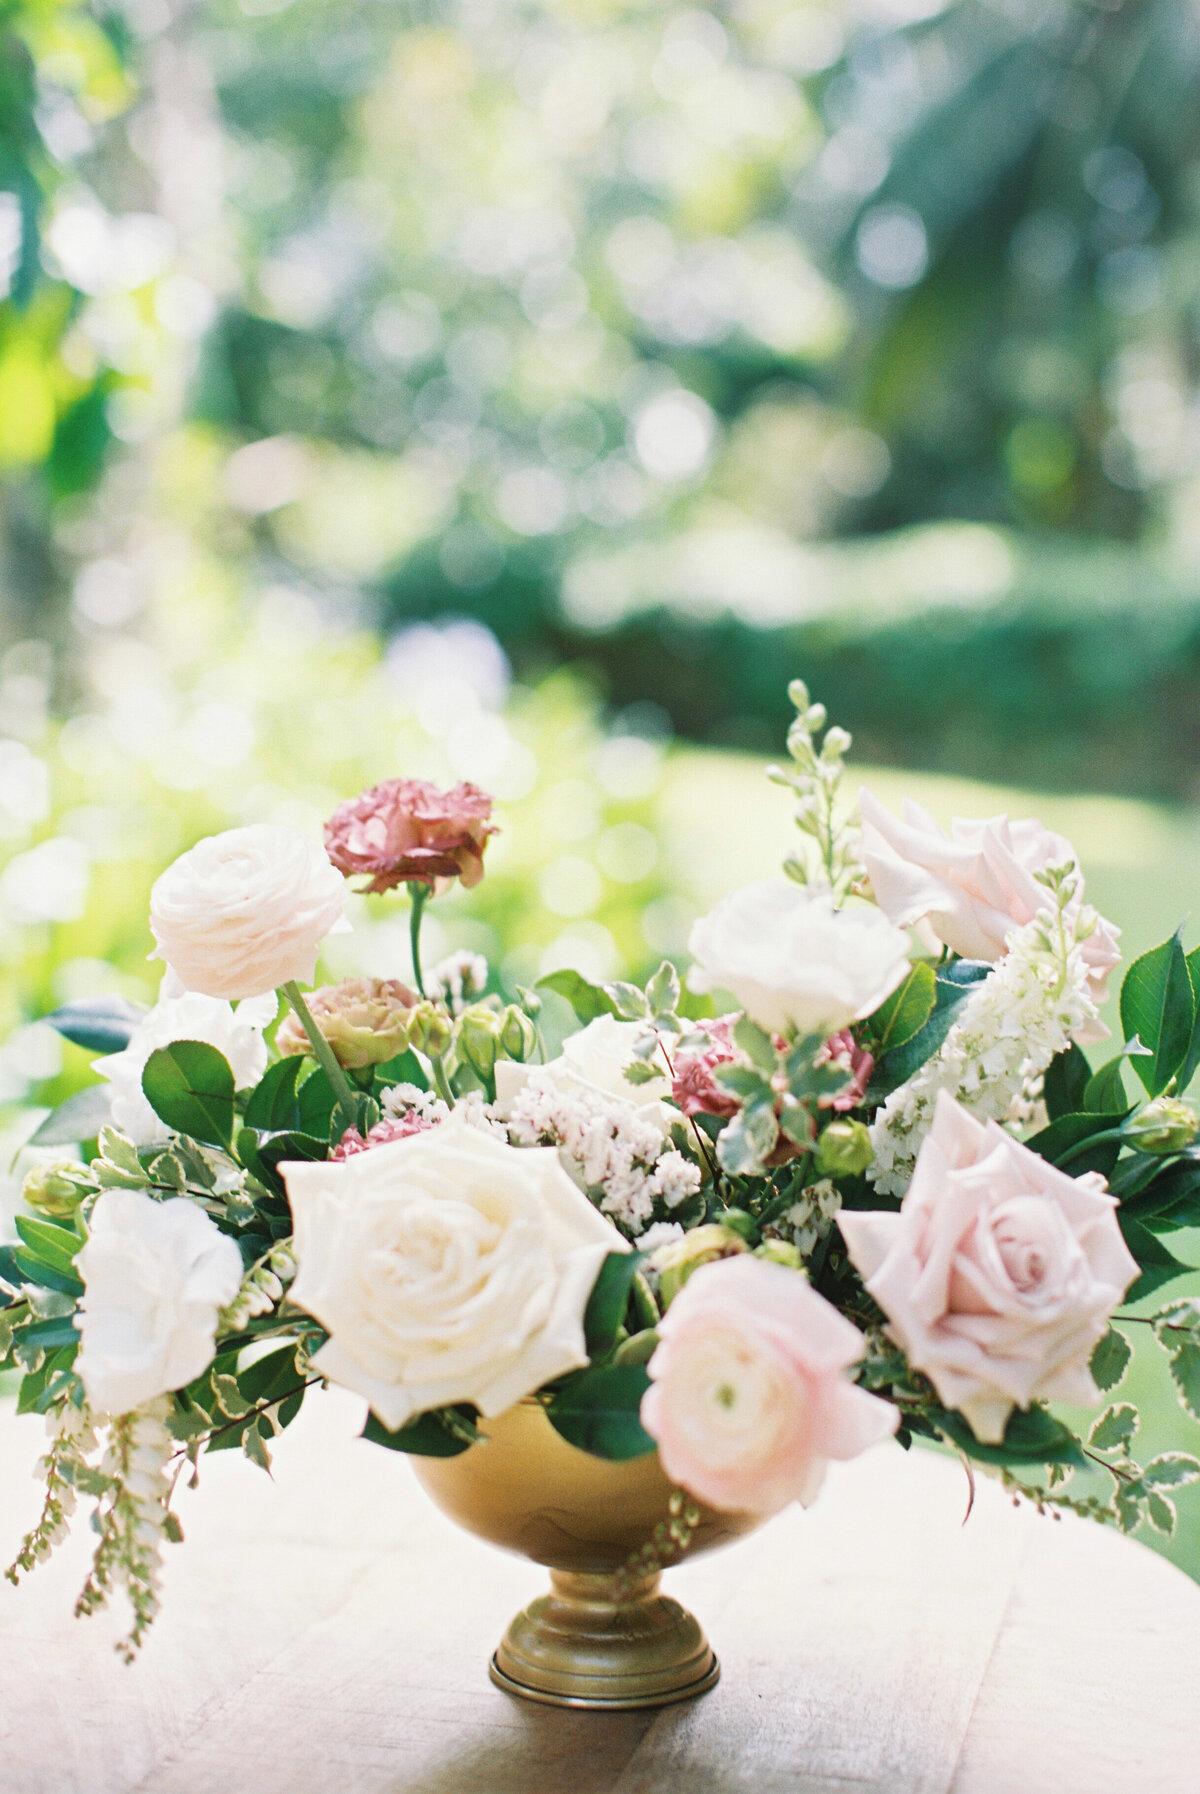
(324, 1054)
(1099, 1139)
(441, 1080)
(419, 895)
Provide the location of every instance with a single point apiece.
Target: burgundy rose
(694, 1087)
(406, 831)
(843, 1049)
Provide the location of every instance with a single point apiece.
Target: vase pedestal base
(583, 1646)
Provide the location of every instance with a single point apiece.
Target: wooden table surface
(329, 1634)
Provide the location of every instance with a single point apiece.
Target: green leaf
(33, 1270)
(1161, 1513)
(953, 984)
(756, 1043)
(1110, 1360)
(1158, 1265)
(273, 1105)
(1105, 1092)
(1169, 1197)
(609, 1299)
(905, 1012)
(746, 1141)
(1066, 1079)
(79, 1118)
(744, 1082)
(1159, 1006)
(49, 1335)
(268, 1377)
(1115, 1428)
(54, 1247)
(629, 1002)
(318, 1100)
(189, 1085)
(597, 1410)
(273, 1149)
(1032, 1436)
(586, 999)
(1171, 1470)
(254, 1445)
(1057, 1143)
(1185, 1369)
(1192, 1057)
(98, 1024)
(232, 1402)
(662, 992)
(427, 1436)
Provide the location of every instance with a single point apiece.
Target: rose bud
(781, 1252)
(58, 1188)
(844, 1149)
(365, 1020)
(430, 1029)
(703, 1246)
(1164, 1125)
(406, 831)
(518, 1036)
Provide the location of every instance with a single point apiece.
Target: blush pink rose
(973, 886)
(749, 1399)
(999, 1272)
(407, 831)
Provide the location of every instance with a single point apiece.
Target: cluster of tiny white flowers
(810, 1218)
(72, 1441)
(402, 1099)
(133, 1519)
(662, 1233)
(609, 1147)
(261, 1288)
(456, 980)
(1029, 1008)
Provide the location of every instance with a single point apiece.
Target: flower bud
(518, 1036)
(365, 1020)
(429, 1029)
(798, 694)
(844, 1148)
(1165, 1125)
(58, 1188)
(703, 1246)
(837, 743)
(781, 1252)
(478, 1039)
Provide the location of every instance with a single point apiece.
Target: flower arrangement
(857, 1179)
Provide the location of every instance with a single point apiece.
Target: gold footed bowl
(604, 1636)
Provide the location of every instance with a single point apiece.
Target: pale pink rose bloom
(999, 1272)
(749, 1399)
(973, 886)
(407, 831)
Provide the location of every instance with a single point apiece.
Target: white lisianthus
(245, 911)
(792, 960)
(593, 1062)
(237, 1033)
(155, 1276)
(448, 1267)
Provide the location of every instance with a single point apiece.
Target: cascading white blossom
(1036, 1001)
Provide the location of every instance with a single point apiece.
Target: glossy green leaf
(1032, 1436)
(1159, 1006)
(273, 1105)
(905, 1012)
(98, 1024)
(609, 1299)
(1066, 1079)
(597, 1410)
(1158, 1265)
(77, 1119)
(586, 999)
(427, 1436)
(189, 1085)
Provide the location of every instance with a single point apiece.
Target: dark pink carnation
(400, 1127)
(406, 831)
(694, 1087)
(844, 1049)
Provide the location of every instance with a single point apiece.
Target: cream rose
(998, 1274)
(594, 1059)
(794, 961)
(749, 1399)
(448, 1267)
(155, 1275)
(245, 912)
(237, 1033)
(974, 886)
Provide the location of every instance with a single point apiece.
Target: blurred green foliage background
(523, 390)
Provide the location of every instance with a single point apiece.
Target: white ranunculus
(794, 961)
(594, 1059)
(235, 1033)
(155, 1275)
(448, 1267)
(245, 911)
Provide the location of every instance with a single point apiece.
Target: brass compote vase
(605, 1636)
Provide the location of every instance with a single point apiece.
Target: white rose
(448, 1267)
(244, 912)
(973, 886)
(792, 960)
(999, 1273)
(594, 1060)
(235, 1033)
(155, 1275)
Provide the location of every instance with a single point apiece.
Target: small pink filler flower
(407, 831)
(749, 1398)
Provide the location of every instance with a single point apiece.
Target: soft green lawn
(725, 824)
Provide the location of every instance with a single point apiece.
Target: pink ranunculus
(749, 1399)
(407, 831)
(973, 886)
(694, 1087)
(858, 1062)
(392, 1127)
(999, 1272)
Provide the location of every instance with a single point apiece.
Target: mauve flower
(365, 1020)
(392, 1127)
(844, 1049)
(406, 831)
(749, 1397)
(999, 1273)
(694, 1087)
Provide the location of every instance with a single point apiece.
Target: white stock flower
(155, 1275)
(794, 961)
(235, 1033)
(973, 886)
(245, 911)
(448, 1267)
(999, 1273)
